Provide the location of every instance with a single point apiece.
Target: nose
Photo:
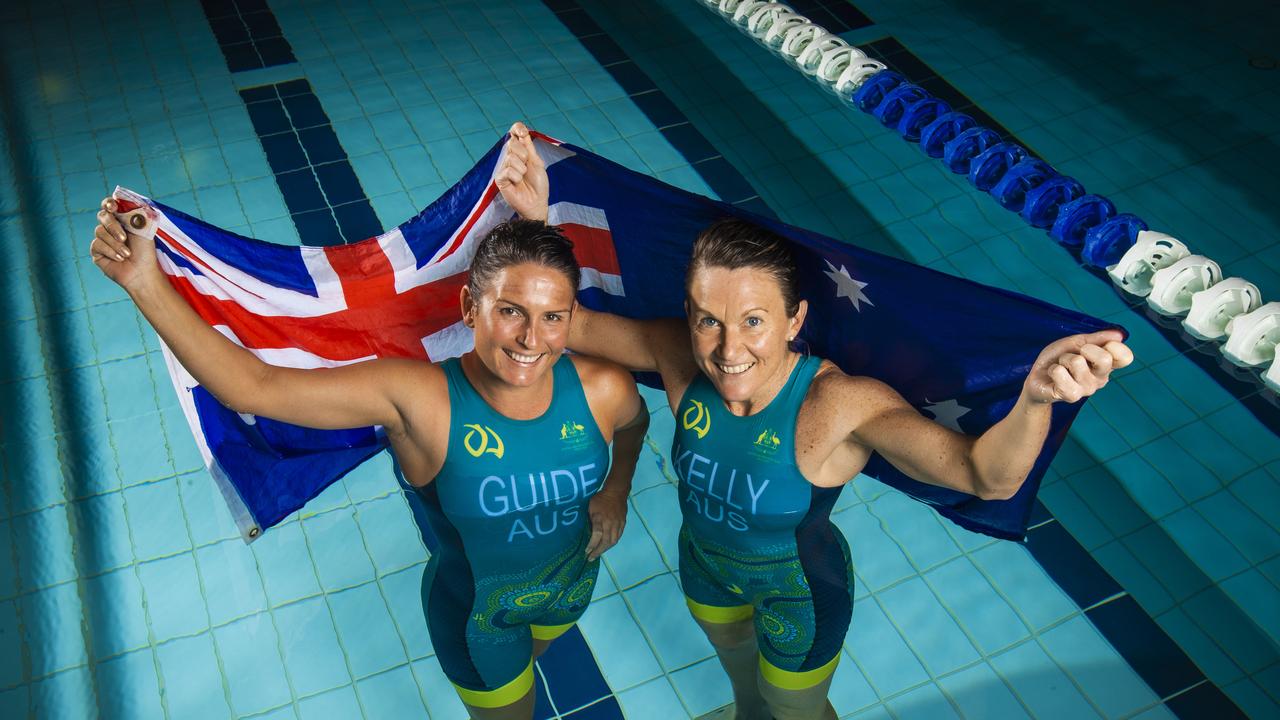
(529, 338)
(729, 341)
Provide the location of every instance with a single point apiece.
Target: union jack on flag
(956, 349)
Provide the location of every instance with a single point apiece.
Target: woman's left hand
(1076, 367)
(608, 518)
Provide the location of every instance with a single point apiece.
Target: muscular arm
(352, 396)
(992, 466)
(660, 346)
(357, 395)
(630, 422)
(620, 413)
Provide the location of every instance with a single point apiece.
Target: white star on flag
(847, 287)
(947, 413)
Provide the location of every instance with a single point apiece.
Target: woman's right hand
(522, 176)
(127, 258)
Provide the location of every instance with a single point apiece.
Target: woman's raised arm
(359, 395)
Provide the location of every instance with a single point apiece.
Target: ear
(468, 304)
(797, 321)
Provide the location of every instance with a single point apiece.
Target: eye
(552, 317)
(509, 311)
(708, 322)
(754, 321)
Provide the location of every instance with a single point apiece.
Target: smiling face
(740, 329)
(521, 321)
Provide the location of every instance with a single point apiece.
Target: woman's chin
(516, 373)
(734, 387)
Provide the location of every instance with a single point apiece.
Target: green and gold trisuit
(509, 507)
(757, 540)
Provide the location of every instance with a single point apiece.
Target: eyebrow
(525, 309)
(694, 304)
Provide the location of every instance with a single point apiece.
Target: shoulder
(839, 405)
(414, 383)
(850, 395)
(602, 377)
(421, 395)
(610, 391)
(419, 390)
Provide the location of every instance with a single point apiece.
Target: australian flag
(957, 350)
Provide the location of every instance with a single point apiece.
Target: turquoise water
(125, 590)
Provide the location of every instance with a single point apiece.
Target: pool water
(1149, 586)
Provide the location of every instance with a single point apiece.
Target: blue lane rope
(1078, 216)
(1044, 203)
(960, 151)
(895, 103)
(935, 136)
(872, 92)
(990, 167)
(918, 115)
(1012, 188)
(1042, 197)
(1105, 244)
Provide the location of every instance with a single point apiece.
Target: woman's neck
(766, 393)
(513, 401)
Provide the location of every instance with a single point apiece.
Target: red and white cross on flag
(370, 298)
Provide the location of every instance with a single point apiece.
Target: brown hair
(522, 241)
(734, 244)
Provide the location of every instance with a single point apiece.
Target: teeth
(523, 358)
(735, 369)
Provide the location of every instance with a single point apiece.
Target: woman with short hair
(765, 439)
(508, 444)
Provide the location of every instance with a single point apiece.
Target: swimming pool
(1149, 584)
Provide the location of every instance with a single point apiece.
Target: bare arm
(621, 414)
(353, 396)
(994, 465)
(630, 422)
(660, 346)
